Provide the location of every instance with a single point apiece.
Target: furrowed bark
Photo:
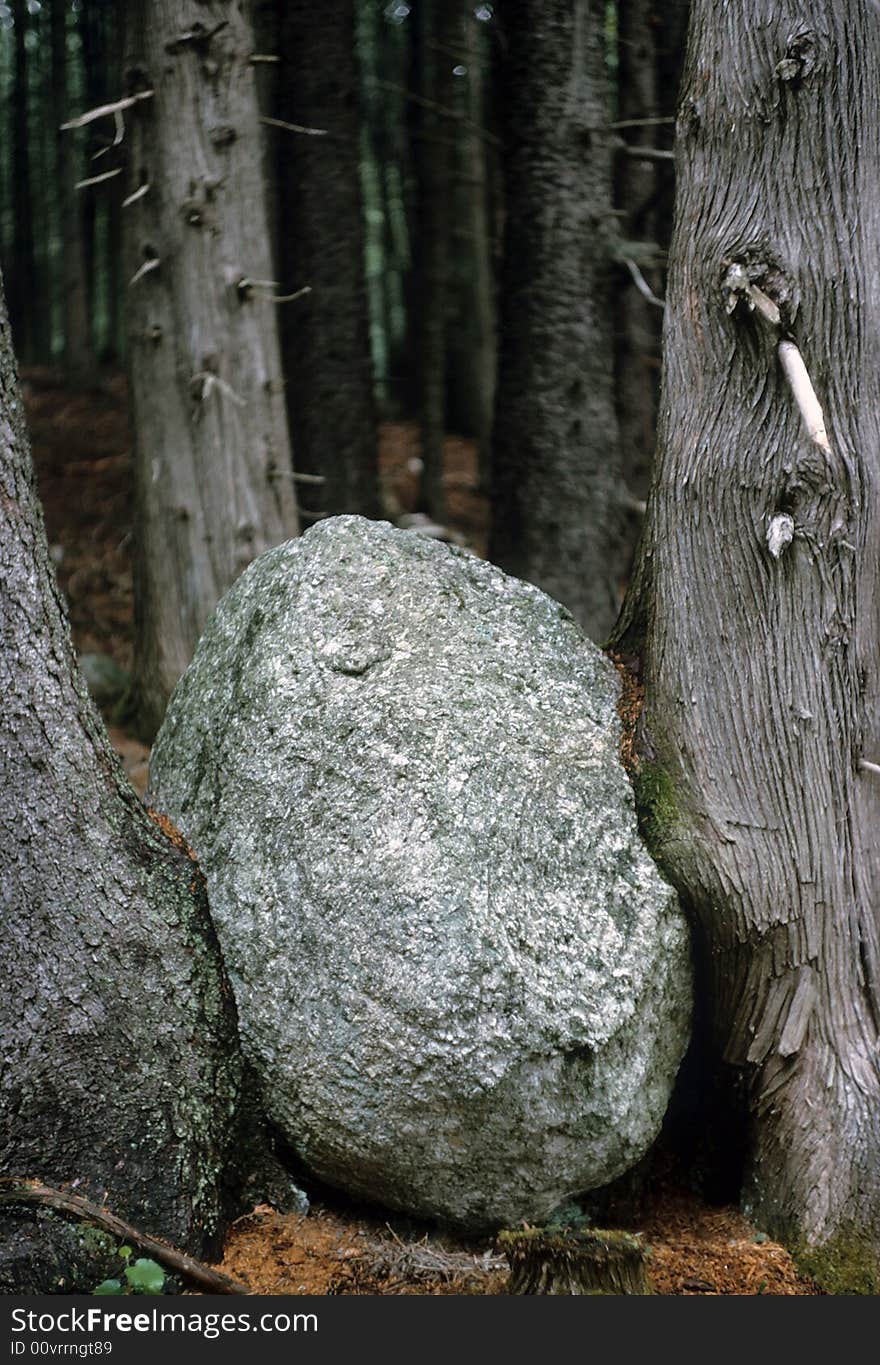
(213, 475)
(555, 493)
(760, 652)
(120, 1071)
(325, 334)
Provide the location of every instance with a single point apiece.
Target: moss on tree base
(848, 1263)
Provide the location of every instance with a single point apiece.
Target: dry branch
(18, 1191)
(104, 110)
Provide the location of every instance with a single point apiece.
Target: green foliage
(145, 1277)
(568, 1216)
(109, 1287)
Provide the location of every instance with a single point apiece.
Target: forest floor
(82, 453)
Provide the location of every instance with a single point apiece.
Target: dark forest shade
(761, 668)
(120, 1068)
(325, 334)
(555, 506)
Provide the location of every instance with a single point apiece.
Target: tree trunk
(471, 344)
(638, 320)
(756, 606)
(24, 268)
(435, 35)
(78, 359)
(326, 334)
(120, 1067)
(213, 475)
(555, 506)
(91, 19)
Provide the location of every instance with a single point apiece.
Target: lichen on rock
(460, 977)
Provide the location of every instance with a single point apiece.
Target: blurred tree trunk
(755, 608)
(638, 325)
(471, 343)
(23, 274)
(556, 496)
(325, 334)
(213, 472)
(436, 33)
(78, 358)
(121, 1069)
(90, 21)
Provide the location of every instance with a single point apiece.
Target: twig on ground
(19, 1191)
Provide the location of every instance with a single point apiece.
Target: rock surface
(463, 983)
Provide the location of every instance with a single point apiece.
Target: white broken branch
(247, 283)
(264, 57)
(741, 288)
(646, 153)
(104, 110)
(803, 393)
(641, 283)
(96, 179)
(138, 194)
(869, 767)
(289, 298)
(293, 127)
(213, 381)
(117, 138)
(152, 264)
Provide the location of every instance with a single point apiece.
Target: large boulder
(463, 983)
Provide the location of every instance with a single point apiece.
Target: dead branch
(14, 1190)
(292, 127)
(641, 283)
(641, 122)
(96, 179)
(646, 153)
(103, 110)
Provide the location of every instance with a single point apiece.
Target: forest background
(438, 298)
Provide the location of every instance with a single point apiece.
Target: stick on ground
(17, 1191)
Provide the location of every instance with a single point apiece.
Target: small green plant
(143, 1276)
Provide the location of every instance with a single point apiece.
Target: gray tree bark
(326, 335)
(119, 1061)
(556, 499)
(213, 472)
(755, 607)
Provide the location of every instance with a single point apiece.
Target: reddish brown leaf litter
(694, 1250)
